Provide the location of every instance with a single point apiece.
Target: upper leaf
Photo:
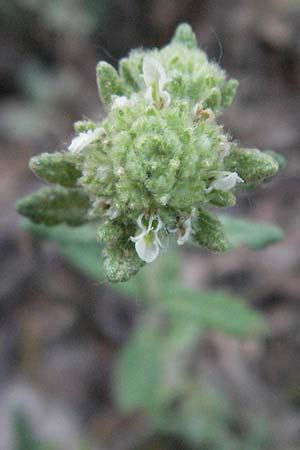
(57, 168)
(109, 83)
(251, 164)
(185, 35)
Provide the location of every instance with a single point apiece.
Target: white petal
(148, 96)
(140, 222)
(226, 181)
(139, 236)
(120, 102)
(123, 101)
(84, 139)
(159, 225)
(163, 241)
(153, 72)
(147, 248)
(142, 227)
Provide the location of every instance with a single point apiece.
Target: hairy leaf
(55, 205)
(59, 168)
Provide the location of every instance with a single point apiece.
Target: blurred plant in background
(154, 372)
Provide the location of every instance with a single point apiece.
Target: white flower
(148, 243)
(225, 181)
(155, 78)
(123, 101)
(84, 139)
(183, 231)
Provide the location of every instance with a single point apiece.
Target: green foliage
(254, 235)
(86, 258)
(121, 263)
(78, 245)
(208, 232)
(55, 205)
(139, 374)
(251, 164)
(109, 83)
(57, 168)
(222, 199)
(184, 35)
(80, 248)
(201, 417)
(280, 159)
(173, 326)
(211, 311)
(174, 320)
(140, 381)
(63, 234)
(151, 372)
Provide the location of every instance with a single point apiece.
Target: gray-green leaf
(212, 311)
(55, 205)
(59, 168)
(138, 371)
(255, 235)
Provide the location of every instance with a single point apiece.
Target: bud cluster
(154, 166)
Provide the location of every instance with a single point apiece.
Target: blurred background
(61, 331)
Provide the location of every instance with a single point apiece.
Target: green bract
(153, 167)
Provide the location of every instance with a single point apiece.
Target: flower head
(161, 161)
